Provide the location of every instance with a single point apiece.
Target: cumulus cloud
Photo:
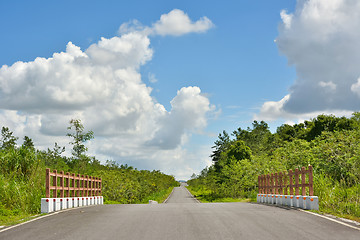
(321, 40)
(174, 23)
(103, 87)
(178, 23)
(188, 113)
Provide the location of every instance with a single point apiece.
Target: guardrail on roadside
(273, 189)
(70, 190)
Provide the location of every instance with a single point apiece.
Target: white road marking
(37, 218)
(331, 219)
(32, 220)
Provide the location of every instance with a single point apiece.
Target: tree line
(330, 144)
(22, 173)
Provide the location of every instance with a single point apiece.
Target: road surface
(182, 217)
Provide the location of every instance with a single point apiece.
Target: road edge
(38, 217)
(334, 219)
(169, 195)
(197, 201)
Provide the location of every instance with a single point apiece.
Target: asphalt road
(182, 217)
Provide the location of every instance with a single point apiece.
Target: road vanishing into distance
(181, 217)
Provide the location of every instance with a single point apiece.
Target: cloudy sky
(158, 80)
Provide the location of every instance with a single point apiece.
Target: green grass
(111, 202)
(159, 196)
(8, 220)
(207, 196)
(12, 217)
(327, 211)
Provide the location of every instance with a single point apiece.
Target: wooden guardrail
(71, 185)
(281, 182)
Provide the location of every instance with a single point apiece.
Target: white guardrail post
(49, 205)
(303, 202)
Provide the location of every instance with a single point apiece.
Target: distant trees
(330, 144)
(309, 130)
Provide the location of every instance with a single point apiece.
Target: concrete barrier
(277, 199)
(291, 201)
(298, 201)
(286, 200)
(49, 205)
(69, 203)
(268, 198)
(56, 204)
(75, 202)
(63, 204)
(283, 189)
(302, 202)
(282, 199)
(312, 203)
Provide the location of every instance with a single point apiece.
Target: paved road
(181, 195)
(182, 218)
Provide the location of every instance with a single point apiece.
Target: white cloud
(274, 110)
(328, 85)
(356, 87)
(102, 86)
(152, 78)
(286, 18)
(188, 113)
(131, 26)
(177, 23)
(174, 23)
(321, 40)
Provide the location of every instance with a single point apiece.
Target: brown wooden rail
(71, 185)
(281, 182)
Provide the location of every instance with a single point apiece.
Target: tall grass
(22, 182)
(338, 199)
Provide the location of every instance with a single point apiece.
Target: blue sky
(158, 92)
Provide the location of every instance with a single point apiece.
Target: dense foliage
(22, 174)
(330, 144)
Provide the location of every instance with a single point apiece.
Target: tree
(239, 151)
(221, 145)
(259, 138)
(79, 137)
(28, 143)
(7, 138)
(53, 158)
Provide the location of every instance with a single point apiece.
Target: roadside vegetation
(22, 175)
(330, 144)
